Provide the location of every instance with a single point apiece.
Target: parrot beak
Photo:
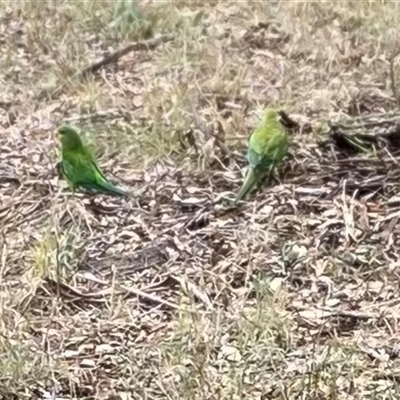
(286, 121)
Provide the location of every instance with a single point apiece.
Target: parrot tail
(107, 187)
(248, 184)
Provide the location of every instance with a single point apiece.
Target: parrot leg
(263, 181)
(275, 176)
(72, 189)
(276, 179)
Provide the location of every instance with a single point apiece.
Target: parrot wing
(84, 171)
(267, 147)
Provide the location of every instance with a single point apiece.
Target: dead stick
(149, 296)
(345, 314)
(370, 124)
(110, 58)
(150, 44)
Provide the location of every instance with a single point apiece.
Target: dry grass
(171, 295)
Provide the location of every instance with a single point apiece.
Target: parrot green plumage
(79, 166)
(268, 145)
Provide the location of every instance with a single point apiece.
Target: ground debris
(175, 293)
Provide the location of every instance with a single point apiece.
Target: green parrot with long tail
(79, 166)
(268, 145)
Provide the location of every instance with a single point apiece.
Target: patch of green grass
(225, 354)
(24, 364)
(58, 250)
(130, 21)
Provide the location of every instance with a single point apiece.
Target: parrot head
(69, 138)
(271, 114)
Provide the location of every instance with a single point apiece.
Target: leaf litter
(296, 281)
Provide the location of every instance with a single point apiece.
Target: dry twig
(149, 44)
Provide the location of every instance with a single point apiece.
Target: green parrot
(268, 145)
(79, 166)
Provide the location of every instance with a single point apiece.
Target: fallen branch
(149, 296)
(322, 313)
(371, 124)
(356, 315)
(149, 44)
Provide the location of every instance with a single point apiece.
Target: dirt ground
(173, 293)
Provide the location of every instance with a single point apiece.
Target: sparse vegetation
(171, 295)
